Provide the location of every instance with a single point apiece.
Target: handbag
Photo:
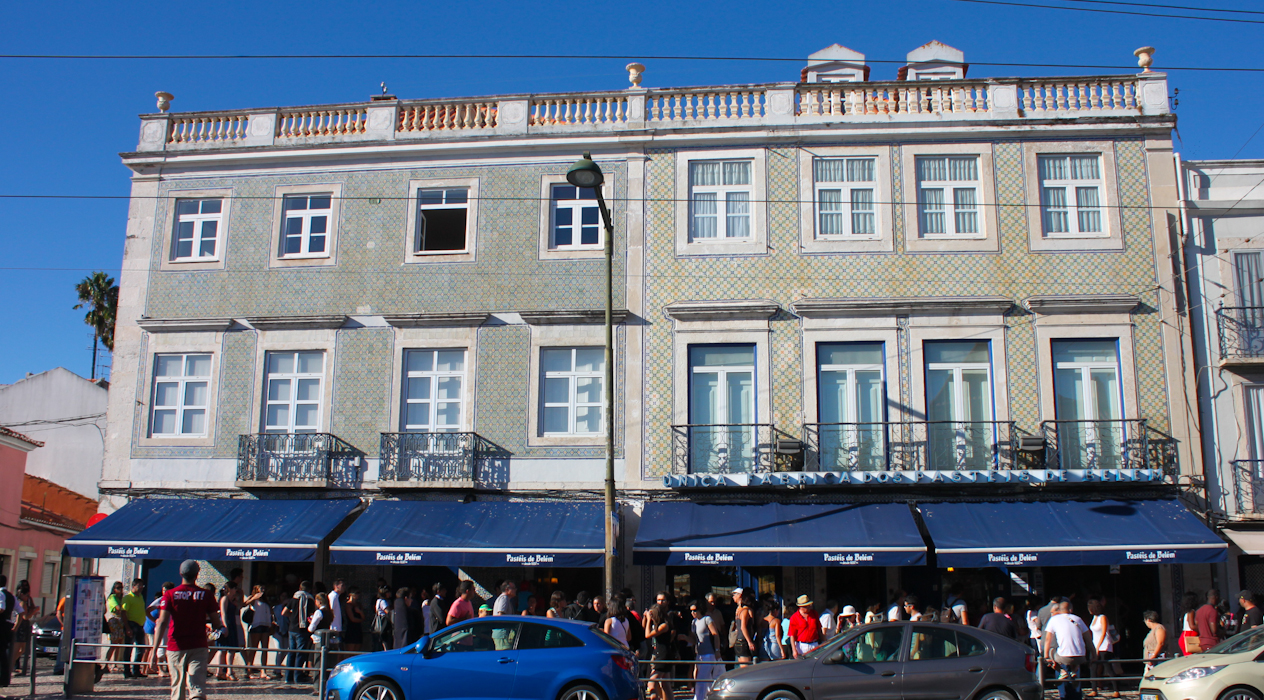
(1193, 645)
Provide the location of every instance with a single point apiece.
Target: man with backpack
(298, 613)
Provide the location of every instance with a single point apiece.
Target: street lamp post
(586, 173)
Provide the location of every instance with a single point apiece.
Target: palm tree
(99, 293)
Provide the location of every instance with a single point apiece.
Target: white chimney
(835, 64)
(935, 61)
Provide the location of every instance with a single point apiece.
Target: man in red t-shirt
(805, 628)
(183, 614)
(461, 608)
(1207, 619)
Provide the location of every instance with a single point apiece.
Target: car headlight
(340, 669)
(1193, 674)
(723, 685)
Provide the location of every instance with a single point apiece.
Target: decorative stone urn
(1145, 57)
(634, 74)
(164, 100)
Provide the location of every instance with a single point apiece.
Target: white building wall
(67, 413)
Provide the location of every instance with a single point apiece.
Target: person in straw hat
(805, 628)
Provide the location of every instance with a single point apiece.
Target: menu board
(87, 613)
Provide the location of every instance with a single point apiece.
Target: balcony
(296, 460)
(729, 448)
(429, 459)
(1248, 486)
(910, 446)
(1096, 444)
(1241, 330)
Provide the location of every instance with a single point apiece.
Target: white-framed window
(722, 432)
(181, 393)
(293, 391)
(48, 582)
(1088, 404)
(960, 432)
(442, 216)
(852, 406)
(434, 381)
(720, 193)
(948, 195)
(1071, 194)
(571, 390)
(305, 225)
(196, 235)
(845, 196)
(575, 220)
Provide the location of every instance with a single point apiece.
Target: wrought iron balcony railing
(910, 446)
(1241, 330)
(428, 457)
(294, 458)
(1248, 485)
(1096, 444)
(730, 448)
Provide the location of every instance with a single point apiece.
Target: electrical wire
(1170, 7)
(1232, 20)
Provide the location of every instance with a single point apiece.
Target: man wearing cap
(183, 613)
(805, 628)
(1252, 614)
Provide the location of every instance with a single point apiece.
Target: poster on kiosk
(87, 610)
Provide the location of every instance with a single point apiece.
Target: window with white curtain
(181, 393)
(852, 406)
(722, 408)
(572, 391)
(845, 189)
(1071, 194)
(948, 195)
(720, 194)
(292, 393)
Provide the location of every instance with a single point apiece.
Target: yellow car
(1231, 670)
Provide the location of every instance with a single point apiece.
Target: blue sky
(65, 121)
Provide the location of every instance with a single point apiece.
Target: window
(719, 200)
(293, 392)
(572, 391)
(480, 636)
(935, 643)
(197, 229)
(845, 196)
(1087, 404)
(432, 390)
(721, 408)
(959, 405)
(544, 637)
(852, 401)
(874, 645)
(305, 225)
(576, 221)
(948, 195)
(48, 582)
(181, 393)
(1070, 194)
(441, 220)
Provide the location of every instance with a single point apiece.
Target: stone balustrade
(773, 105)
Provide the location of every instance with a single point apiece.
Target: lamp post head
(585, 173)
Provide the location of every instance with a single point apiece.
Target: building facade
(879, 300)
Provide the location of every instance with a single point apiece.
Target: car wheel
(1239, 694)
(581, 692)
(997, 694)
(782, 694)
(379, 690)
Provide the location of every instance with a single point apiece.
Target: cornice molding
(184, 325)
(1082, 303)
(296, 323)
(436, 320)
(744, 310)
(891, 306)
(572, 317)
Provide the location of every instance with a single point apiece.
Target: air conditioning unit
(1031, 443)
(785, 446)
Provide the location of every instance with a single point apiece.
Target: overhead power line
(1169, 7)
(1115, 12)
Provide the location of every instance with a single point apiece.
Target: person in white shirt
(896, 611)
(335, 604)
(829, 620)
(1066, 645)
(507, 601)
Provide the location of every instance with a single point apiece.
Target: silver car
(894, 661)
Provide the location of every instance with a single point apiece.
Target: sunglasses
(693, 610)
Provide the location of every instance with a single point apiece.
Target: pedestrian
(435, 614)
(383, 627)
(1252, 614)
(322, 621)
(847, 619)
(911, 613)
(744, 625)
(532, 608)
(658, 633)
(22, 630)
(257, 616)
(579, 609)
(873, 612)
(507, 601)
(722, 650)
(182, 618)
(703, 633)
(770, 632)
(230, 612)
(896, 610)
(1066, 642)
(337, 603)
(805, 628)
(280, 633)
(619, 623)
(598, 611)
(1155, 641)
(10, 608)
(115, 627)
(298, 611)
(1033, 624)
(1045, 613)
(998, 622)
(1189, 629)
(59, 666)
(400, 617)
(829, 620)
(353, 621)
(557, 605)
(1207, 621)
(1103, 646)
(461, 608)
(957, 605)
(151, 621)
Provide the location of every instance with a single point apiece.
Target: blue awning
(213, 529)
(484, 533)
(1069, 533)
(774, 534)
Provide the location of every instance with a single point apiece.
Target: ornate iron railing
(910, 446)
(426, 457)
(1096, 444)
(292, 457)
(728, 448)
(1241, 330)
(1248, 485)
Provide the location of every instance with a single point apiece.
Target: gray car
(894, 661)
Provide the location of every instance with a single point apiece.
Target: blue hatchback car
(529, 658)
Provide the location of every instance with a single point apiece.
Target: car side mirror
(421, 646)
(837, 657)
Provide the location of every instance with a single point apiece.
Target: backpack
(574, 611)
(248, 615)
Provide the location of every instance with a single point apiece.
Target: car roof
(552, 621)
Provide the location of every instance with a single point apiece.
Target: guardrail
(1241, 332)
(910, 445)
(1248, 485)
(290, 458)
(428, 457)
(1096, 444)
(722, 448)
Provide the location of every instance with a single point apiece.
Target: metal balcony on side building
(910, 446)
(1248, 487)
(1241, 332)
(296, 460)
(429, 459)
(1096, 444)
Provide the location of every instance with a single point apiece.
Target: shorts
(261, 630)
(741, 649)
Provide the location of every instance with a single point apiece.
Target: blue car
(527, 658)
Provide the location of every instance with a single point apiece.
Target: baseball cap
(739, 589)
(484, 606)
(189, 568)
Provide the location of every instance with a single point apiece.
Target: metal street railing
(910, 445)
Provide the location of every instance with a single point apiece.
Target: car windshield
(1249, 640)
(869, 644)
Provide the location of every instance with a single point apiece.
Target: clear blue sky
(66, 121)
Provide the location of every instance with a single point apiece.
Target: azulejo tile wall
(784, 276)
(362, 386)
